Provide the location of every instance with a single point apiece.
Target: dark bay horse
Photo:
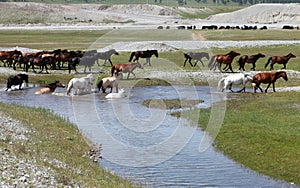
(249, 59)
(16, 80)
(267, 78)
(220, 59)
(106, 56)
(134, 56)
(280, 60)
(197, 56)
(50, 88)
(128, 67)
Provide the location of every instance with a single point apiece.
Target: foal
(267, 78)
(128, 67)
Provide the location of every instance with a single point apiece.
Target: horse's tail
(99, 85)
(70, 85)
(113, 68)
(220, 84)
(131, 56)
(269, 60)
(211, 61)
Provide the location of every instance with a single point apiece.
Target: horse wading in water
(267, 78)
(16, 80)
(81, 85)
(134, 56)
(280, 60)
(110, 82)
(197, 56)
(249, 59)
(220, 59)
(235, 79)
(50, 88)
(126, 68)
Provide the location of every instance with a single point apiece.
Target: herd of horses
(84, 84)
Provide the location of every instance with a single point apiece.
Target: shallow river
(146, 145)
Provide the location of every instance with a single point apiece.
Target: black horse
(143, 54)
(16, 80)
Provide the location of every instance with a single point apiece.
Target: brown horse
(220, 59)
(280, 60)
(143, 54)
(249, 59)
(267, 78)
(128, 67)
(9, 56)
(50, 88)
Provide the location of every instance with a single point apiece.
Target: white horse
(110, 82)
(119, 95)
(235, 79)
(81, 85)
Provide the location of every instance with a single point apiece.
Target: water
(149, 146)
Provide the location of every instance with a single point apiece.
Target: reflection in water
(143, 144)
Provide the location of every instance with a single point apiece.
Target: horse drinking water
(16, 80)
(197, 56)
(143, 54)
(50, 88)
(81, 85)
(236, 79)
(267, 78)
(128, 67)
(110, 82)
(280, 60)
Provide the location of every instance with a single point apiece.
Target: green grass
(262, 132)
(55, 138)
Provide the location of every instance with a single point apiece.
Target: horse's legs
(230, 67)
(110, 62)
(274, 86)
(185, 62)
(272, 66)
(266, 90)
(284, 66)
(253, 66)
(195, 63)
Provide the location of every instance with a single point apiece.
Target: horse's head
(59, 84)
(154, 52)
(290, 55)
(282, 74)
(114, 52)
(233, 53)
(23, 77)
(261, 55)
(139, 65)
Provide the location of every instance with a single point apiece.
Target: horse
(50, 88)
(143, 54)
(249, 59)
(9, 56)
(81, 85)
(280, 60)
(16, 80)
(110, 82)
(119, 95)
(267, 78)
(235, 79)
(128, 67)
(197, 56)
(106, 56)
(227, 59)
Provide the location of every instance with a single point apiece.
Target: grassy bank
(262, 132)
(54, 138)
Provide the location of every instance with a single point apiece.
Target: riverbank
(49, 154)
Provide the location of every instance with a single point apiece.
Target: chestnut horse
(128, 67)
(249, 59)
(280, 60)
(220, 59)
(50, 88)
(143, 54)
(267, 78)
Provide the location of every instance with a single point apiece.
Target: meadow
(259, 131)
